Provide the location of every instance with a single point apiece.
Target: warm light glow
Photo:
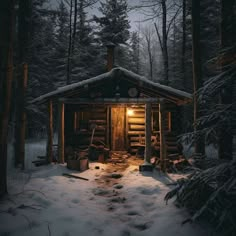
(130, 112)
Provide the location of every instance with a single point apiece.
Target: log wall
(80, 122)
(136, 129)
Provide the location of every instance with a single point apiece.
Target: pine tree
(197, 73)
(135, 52)
(41, 63)
(114, 24)
(86, 59)
(61, 42)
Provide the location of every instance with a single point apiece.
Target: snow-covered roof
(157, 85)
(114, 73)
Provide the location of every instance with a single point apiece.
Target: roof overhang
(161, 91)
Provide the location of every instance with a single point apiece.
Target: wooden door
(118, 128)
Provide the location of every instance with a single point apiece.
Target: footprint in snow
(101, 191)
(147, 190)
(76, 201)
(142, 226)
(111, 207)
(118, 199)
(117, 186)
(133, 213)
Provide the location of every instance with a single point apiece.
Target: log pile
(98, 153)
(77, 159)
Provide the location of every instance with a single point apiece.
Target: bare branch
(159, 36)
(172, 20)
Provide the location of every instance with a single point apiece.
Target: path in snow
(131, 205)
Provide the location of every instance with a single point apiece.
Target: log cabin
(120, 109)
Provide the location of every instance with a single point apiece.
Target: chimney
(110, 55)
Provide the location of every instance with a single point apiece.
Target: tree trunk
(227, 40)
(68, 79)
(163, 153)
(74, 27)
(61, 132)
(7, 23)
(20, 127)
(197, 73)
(50, 132)
(22, 77)
(150, 56)
(183, 112)
(183, 44)
(164, 43)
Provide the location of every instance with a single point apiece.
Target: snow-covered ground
(43, 202)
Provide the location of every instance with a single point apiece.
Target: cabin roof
(157, 89)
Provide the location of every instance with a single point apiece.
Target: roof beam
(110, 100)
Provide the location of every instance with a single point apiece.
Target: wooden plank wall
(136, 129)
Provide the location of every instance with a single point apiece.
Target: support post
(162, 136)
(23, 120)
(61, 138)
(148, 133)
(50, 132)
(108, 127)
(169, 121)
(126, 128)
(75, 121)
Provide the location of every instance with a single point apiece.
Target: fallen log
(74, 176)
(40, 162)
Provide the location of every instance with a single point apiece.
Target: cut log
(137, 127)
(136, 120)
